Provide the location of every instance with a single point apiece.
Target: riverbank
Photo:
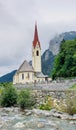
(12, 118)
(38, 112)
(63, 100)
(35, 119)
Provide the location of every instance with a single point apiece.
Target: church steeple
(36, 38)
(36, 52)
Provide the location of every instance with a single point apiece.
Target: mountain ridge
(48, 56)
(7, 77)
(53, 50)
(55, 42)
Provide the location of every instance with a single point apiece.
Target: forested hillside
(65, 61)
(53, 50)
(8, 77)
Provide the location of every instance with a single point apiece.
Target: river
(14, 119)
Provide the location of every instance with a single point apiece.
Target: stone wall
(41, 95)
(53, 85)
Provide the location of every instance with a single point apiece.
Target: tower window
(37, 53)
(28, 76)
(22, 76)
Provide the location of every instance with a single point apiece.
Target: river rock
(40, 125)
(30, 129)
(19, 125)
(1, 124)
(52, 124)
(4, 114)
(38, 112)
(29, 113)
(73, 122)
(8, 109)
(35, 119)
(74, 117)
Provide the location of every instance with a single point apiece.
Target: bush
(71, 103)
(5, 84)
(25, 99)
(48, 105)
(8, 96)
(45, 107)
(73, 87)
(68, 104)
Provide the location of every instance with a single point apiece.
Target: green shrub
(45, 107)
(1, 89)
(67, 105)
(71, 103)
(73, 87)
(25, 99)
(5, 84)
(8, 96)
(48, 105)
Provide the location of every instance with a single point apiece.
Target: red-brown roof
(36, 39)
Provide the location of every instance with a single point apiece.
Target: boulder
(73, 122)
(41, 125)
(19, 125)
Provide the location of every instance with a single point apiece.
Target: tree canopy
(65, 61)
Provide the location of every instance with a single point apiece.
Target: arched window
(37, 53)
(22, 76)
(28, 76)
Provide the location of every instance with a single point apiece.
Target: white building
(27, 73)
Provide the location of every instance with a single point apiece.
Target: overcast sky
(17, 21)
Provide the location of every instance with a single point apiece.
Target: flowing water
(16, 120)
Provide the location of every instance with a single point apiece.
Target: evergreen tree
(65, 61)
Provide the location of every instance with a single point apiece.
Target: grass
(73, 87)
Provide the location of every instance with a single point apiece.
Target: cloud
(17, 19)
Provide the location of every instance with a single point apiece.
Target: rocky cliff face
(54, 45)
(47, 62)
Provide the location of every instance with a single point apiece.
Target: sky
(17, 22)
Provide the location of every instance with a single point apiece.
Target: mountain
(54, 43)
(8, 77)
(47, 62)
(54, 46)
(48, 56)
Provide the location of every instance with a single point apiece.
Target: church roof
(40, 75)
(36, 39)
(25, 67)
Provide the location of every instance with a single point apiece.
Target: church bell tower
(36, 52)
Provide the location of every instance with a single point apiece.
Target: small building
(25, 74)
(31, 74)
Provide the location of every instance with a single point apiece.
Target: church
(31, 73)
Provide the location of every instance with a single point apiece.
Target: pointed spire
(36, 39)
